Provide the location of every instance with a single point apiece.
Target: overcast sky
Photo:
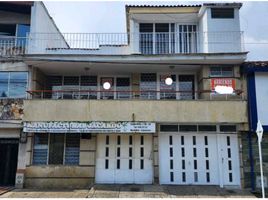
(109, 17)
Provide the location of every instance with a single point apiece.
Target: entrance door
(8, 161)
(124, 159)
(200, 159)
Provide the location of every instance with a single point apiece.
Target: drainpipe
(250, 152)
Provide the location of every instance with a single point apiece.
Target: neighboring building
(16, 21)
(257, 78)
(139, 107)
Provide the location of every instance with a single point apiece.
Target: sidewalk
(133, 191)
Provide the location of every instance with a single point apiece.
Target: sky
(110, 17)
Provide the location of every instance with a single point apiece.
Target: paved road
(133, 191)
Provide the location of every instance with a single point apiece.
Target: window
(188, 128)
(222, 13)
(56, 149)
(148, 85)
(227, 128)
(13, 84)
(169, 128)
(167, 91)
(207, 128)
(221, 71)
(123, 84)
(186, 87)
(8, 29)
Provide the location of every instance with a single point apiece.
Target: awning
(89, 127)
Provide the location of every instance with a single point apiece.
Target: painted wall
(261, 82)
(44, 32)
(123, 110)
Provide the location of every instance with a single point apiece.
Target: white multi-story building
(140, 107)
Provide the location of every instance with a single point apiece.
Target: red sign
(222, 82)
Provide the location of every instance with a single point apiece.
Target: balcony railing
(124, 43)
(126, 95)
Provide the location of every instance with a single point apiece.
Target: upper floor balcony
(156, 43)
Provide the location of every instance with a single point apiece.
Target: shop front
(89, 152)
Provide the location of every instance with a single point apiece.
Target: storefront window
(63, 149)
(13, 84)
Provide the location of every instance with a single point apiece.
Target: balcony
(124, 43)
(133, 95)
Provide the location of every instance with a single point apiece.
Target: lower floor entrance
(200, 159)
(124, 159)
(8, 161)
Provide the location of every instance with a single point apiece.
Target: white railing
(125, 43)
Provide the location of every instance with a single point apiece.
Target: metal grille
(122, 84)
(56, 148)
(167, 91)
(72, 149)
(187, 39)
(40, 149)
(186, 87)
(148, 85)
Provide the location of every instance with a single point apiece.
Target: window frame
(8, 85)
(48, 150)
(221, 71)
(215, 14)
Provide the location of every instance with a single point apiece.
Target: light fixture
(224, 89)
(106, 85)
(168, 81)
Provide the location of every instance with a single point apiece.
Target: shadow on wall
(11, 109)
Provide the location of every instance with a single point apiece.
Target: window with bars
(56, 149)
(123, 87)
(186, 87)
(148, 85)
(167, 91)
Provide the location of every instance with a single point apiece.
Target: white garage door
(124, 159)
(201, 159)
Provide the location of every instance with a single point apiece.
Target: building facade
(141, 107)
(257, 78)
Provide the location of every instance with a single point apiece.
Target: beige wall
(144, 110)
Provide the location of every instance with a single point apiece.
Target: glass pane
(4, 84)
(56, 148)
(148, 86)
(72, 149)
(40, 149)
(215, 71)
(18, 84)
(122, 88)
(88, 87)
(186, 87)
(146, 38)
(167, 91)
(107, 93)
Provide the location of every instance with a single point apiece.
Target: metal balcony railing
(127, 95)
(124, 43)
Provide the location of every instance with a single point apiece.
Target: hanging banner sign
(222, 82)
(89, 127)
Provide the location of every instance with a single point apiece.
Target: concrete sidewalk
(133, 191)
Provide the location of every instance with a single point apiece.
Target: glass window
(222, 13)
(8, 29)
(221, 71)
(89, 83)
(17, 84)
(123, 84)
(40, 149)
(167, 91)
(4, 79)
(72, 149)
(188, 128)
(186, 87)
(207, 128)
(169, 128)
(56, 148)
(107, 93)
(227, 128)
(13, 84)
(148, 86)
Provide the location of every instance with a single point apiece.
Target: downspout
(250, 152)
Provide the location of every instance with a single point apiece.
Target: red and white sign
(222, 82)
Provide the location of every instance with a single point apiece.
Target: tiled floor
(134, 191)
